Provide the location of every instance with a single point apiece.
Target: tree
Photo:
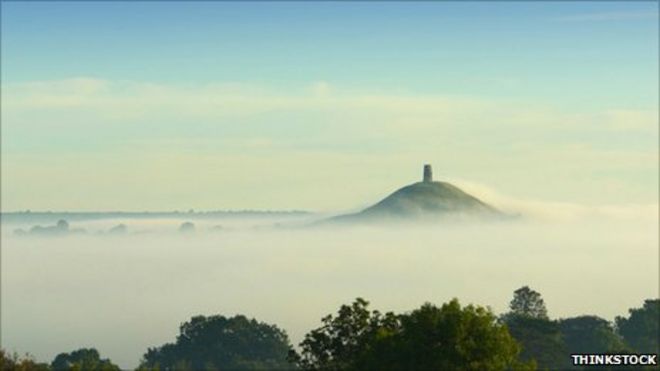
(454, 338)
(62, 225)
(84, 359)
(429, 338)
(12, 362)
(187, 227)
(342, 341)
(218, 342)
(641, 330)
(527, 302)
(589, 334)
(540, 338)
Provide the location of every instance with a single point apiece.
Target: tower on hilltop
(428, 173)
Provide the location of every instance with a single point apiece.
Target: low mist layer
(124, 293)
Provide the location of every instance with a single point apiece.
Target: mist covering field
(124, 293)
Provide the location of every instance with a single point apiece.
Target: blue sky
(421, 47)
(316, 80)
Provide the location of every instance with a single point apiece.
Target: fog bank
(123, 294)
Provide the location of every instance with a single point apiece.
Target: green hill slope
(429, 198)
(425, 201)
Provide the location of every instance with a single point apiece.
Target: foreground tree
(85, 359)
(540, 338)
(429, 338)
(453, 338)
(541, 341)
(13, 362)
(218, 342)
(641, 330)
(589, 334)
(343, 341)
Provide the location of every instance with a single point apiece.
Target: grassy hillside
(425, 200)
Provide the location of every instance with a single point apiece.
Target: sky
(325, 106)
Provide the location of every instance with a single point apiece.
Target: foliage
(527, 302)
(85, 359)
(449, 337)
(429, 338)
(540, 339)
(454, 338)
(589, 334)
(342, 341)
(218, 342)
(641, 330)
(13, 362)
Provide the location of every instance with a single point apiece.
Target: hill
(428, 200)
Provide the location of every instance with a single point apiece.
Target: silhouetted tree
(13, 362)
(341, 343)
(453, 338)
(187, 227)
(527, 302)
(85, 359)
(641, 331)
(540, 338)
(62, 225)
(541, 341)
(589, 334)
(218, 342)
(429, 338)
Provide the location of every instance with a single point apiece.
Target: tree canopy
(540, 338)
(450, 337)
(14, 362)
(589, 334)
(527, 302)
(343, 341)
(84, 359)
(640, 330)
(218, 342)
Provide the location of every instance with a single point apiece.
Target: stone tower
(428, 173)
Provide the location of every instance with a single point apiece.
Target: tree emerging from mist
(449, 337)
(528, 303)
(550, 343)
(219, 343)
(445, 338)
(540, 338)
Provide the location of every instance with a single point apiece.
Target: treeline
(449, 337)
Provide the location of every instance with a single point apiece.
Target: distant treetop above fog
(60, 228)
(187, 227)
(29, 217)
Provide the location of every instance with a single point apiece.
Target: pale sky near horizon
(325, 106)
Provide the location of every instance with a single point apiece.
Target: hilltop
(428, 200)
